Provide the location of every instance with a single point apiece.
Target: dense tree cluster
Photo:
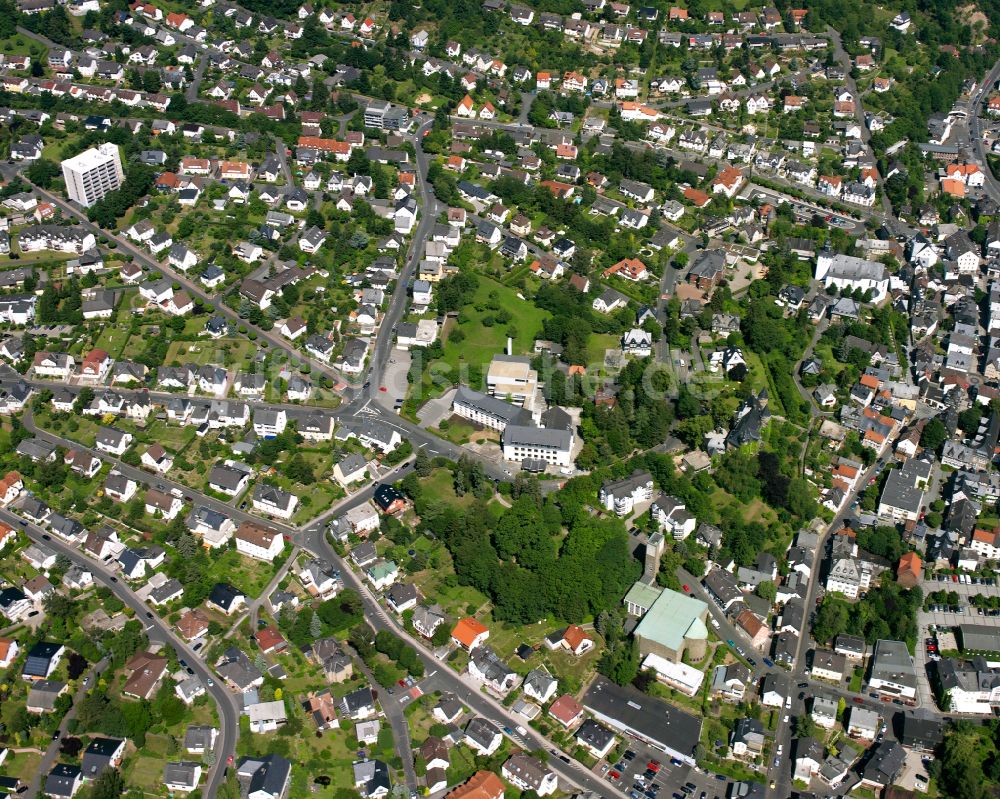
(60, 303)
(456, 291)
(534, 559)
(888, 611)
(639, 419)
(138, 181)
(341, 612)
(966, 763)
(884, 542)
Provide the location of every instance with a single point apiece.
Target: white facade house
(256, 542)
(621, 496)
(522, 442)
(851, 273)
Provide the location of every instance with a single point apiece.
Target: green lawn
(320, 496)
(146, 773)
(596, 346)
(231, 353)
(249, 575)
(440, 485)
(457, 431)
(22, 45)
(22, 765)
(482, 336)
(112, 340)
(171, 436)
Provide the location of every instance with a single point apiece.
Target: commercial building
(512, 376)
(525, 443)
(93, 174)
(488, 411)
(903, 494)
(979, 638)
(662, 726)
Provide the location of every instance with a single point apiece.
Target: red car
(613, 775)
(653, 766)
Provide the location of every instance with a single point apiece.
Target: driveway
(435, 410)
(924, 693)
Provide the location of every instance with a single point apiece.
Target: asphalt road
(192, 287)
(225, 702)
(783, 777)
(429, 209)
(52, 753)
(465, 688)
(975, 129)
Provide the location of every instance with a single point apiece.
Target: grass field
(146, 773)
(112, 340)
(224, 352)
(596, 346)
(172, 437)
(22, 765)
(480, 342)
(248, 575)
(458, 431)
(441, 486)
(21, 45)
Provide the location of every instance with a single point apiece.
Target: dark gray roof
(268, 774)
(62, 779)
(635, 713)
(491, 406)
(97, 756)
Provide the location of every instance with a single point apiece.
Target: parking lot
(948, 618)
(647, 773)
(962, 584)
(920, 660)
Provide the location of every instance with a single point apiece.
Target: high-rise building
(92, 174)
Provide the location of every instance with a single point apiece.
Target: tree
(442, 635)
(300, 471)
(21, 721)
(831, 619)
(42, 172)
(805, 727)
(934, 434)
(151, 81)
(961, 762)
(767, 590)
(9, 16)
(422, 463)
(109, 785)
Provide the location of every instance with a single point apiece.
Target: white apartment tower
(92, 174)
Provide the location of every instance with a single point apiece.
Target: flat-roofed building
(659, 724)
(93, 174)
(512, 376)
